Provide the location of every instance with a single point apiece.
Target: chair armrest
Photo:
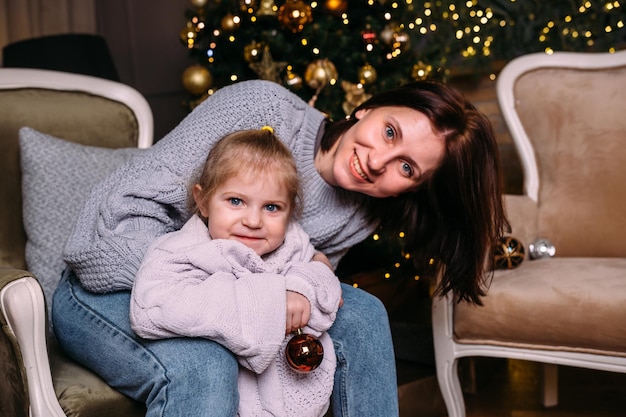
(23, 307)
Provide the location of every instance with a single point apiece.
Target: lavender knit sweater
(191, 285)
(147, 196)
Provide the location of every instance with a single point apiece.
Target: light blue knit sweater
(147, 196)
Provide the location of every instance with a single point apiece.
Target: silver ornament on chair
(541, 248)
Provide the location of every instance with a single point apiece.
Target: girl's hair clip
(268, 128)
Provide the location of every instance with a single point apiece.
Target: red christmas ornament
(304, 352)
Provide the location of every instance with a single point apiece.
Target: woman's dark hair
(457, 213)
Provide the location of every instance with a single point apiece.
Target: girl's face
(252, 209)
(384, 154)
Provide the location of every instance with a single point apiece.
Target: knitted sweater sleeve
(147, 196)
(312, 279)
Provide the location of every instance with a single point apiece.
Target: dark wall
(143, 37)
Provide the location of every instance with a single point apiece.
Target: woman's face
(384, 154)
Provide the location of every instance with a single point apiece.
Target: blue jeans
(189, 376)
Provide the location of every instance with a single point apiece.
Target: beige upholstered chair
(43, 182)
(566, 114)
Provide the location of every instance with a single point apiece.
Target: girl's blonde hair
(249, 151)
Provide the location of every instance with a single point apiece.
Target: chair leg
(450, 387)
(550, 385)
(445, 357)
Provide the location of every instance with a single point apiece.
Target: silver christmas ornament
(541, 248)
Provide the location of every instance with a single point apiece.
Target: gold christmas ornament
(230, 22)
(197, 79)
(267, 8)
(355, 95)
(199, 3)
(253, 51)
(267, 68)
(367, 74)
(319, 73)
(336, 6)
(508, 253)
(293, 80)
(421, 71)
(294, 14)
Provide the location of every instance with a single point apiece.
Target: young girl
(228, 274)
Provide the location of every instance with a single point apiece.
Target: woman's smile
(357, 169)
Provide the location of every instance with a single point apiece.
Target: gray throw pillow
(57, 176)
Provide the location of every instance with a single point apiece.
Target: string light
(407, 40)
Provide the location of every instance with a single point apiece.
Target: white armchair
(44, 180)
(565, 112)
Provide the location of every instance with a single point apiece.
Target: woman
(418, 158)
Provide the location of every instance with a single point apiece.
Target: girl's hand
(298, 311)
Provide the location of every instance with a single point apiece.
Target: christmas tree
(335, 53)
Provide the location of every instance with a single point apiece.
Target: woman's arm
(120, 219)
(146, 197)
